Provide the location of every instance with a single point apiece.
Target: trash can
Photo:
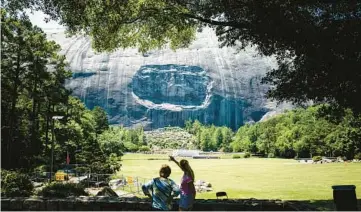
(344, 197)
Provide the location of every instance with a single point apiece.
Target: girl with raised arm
(188, 191)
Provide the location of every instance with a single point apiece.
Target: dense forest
(210, 138)
(37, 109)
(302, 133)
(297, 133)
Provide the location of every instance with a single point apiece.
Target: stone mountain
(215, 85)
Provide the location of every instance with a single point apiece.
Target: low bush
(236, 156)
(15, 184)
(316, 158)
(82, 170)
(271, 155)
(247, 155)
(131, 147)
(357, 156)
(101, 167)
(62, 190)
(41, 169)
(144, 149)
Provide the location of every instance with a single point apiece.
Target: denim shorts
(186, 201)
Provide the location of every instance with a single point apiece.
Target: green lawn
(259, 178)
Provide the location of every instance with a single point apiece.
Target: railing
(128, 185)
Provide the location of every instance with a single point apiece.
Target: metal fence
(131, 185)
(123, 185)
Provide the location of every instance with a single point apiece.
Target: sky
(37, 18)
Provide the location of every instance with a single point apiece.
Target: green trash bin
(344, 197)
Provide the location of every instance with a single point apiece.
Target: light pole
(76, 164)
(52, 146)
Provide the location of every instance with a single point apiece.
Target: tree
(101, 119)
(315, 42)
(206, 140)
(111, 143)
(33, 92)
(227, 136)
(188, 125)
(33, 78)
(218, 138)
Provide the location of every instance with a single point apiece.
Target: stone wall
(123, 204)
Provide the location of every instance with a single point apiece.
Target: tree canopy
(33, 92)
(302, 133)
(316, 43)
(296, 133)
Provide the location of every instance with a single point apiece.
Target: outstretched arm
(174, 160)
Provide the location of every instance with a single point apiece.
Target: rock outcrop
(215, 85)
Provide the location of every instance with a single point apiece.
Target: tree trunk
(12, 116)
(33, 112)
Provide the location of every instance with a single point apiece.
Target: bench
(221, 194)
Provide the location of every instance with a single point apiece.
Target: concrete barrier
(123, 204)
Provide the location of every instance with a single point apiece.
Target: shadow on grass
(324, 205)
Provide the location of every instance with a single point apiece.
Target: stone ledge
(123, 204)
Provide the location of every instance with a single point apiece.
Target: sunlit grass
(254, 177)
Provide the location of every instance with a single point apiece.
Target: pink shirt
(184, 184)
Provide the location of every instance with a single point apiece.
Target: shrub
(62, 190)
(358, 156)
(144, 149)
(15, 184)
(226, 149)
(101, 168)
(247, 155)
(236, 147)
(82, 170)
(316, 158)
(236, 156)
(41, 169)
(114, 162)
(271, 155)
(131, 147)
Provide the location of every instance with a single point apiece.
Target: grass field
(259, 178)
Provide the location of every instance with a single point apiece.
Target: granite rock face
(215, 85)
(172, 84)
